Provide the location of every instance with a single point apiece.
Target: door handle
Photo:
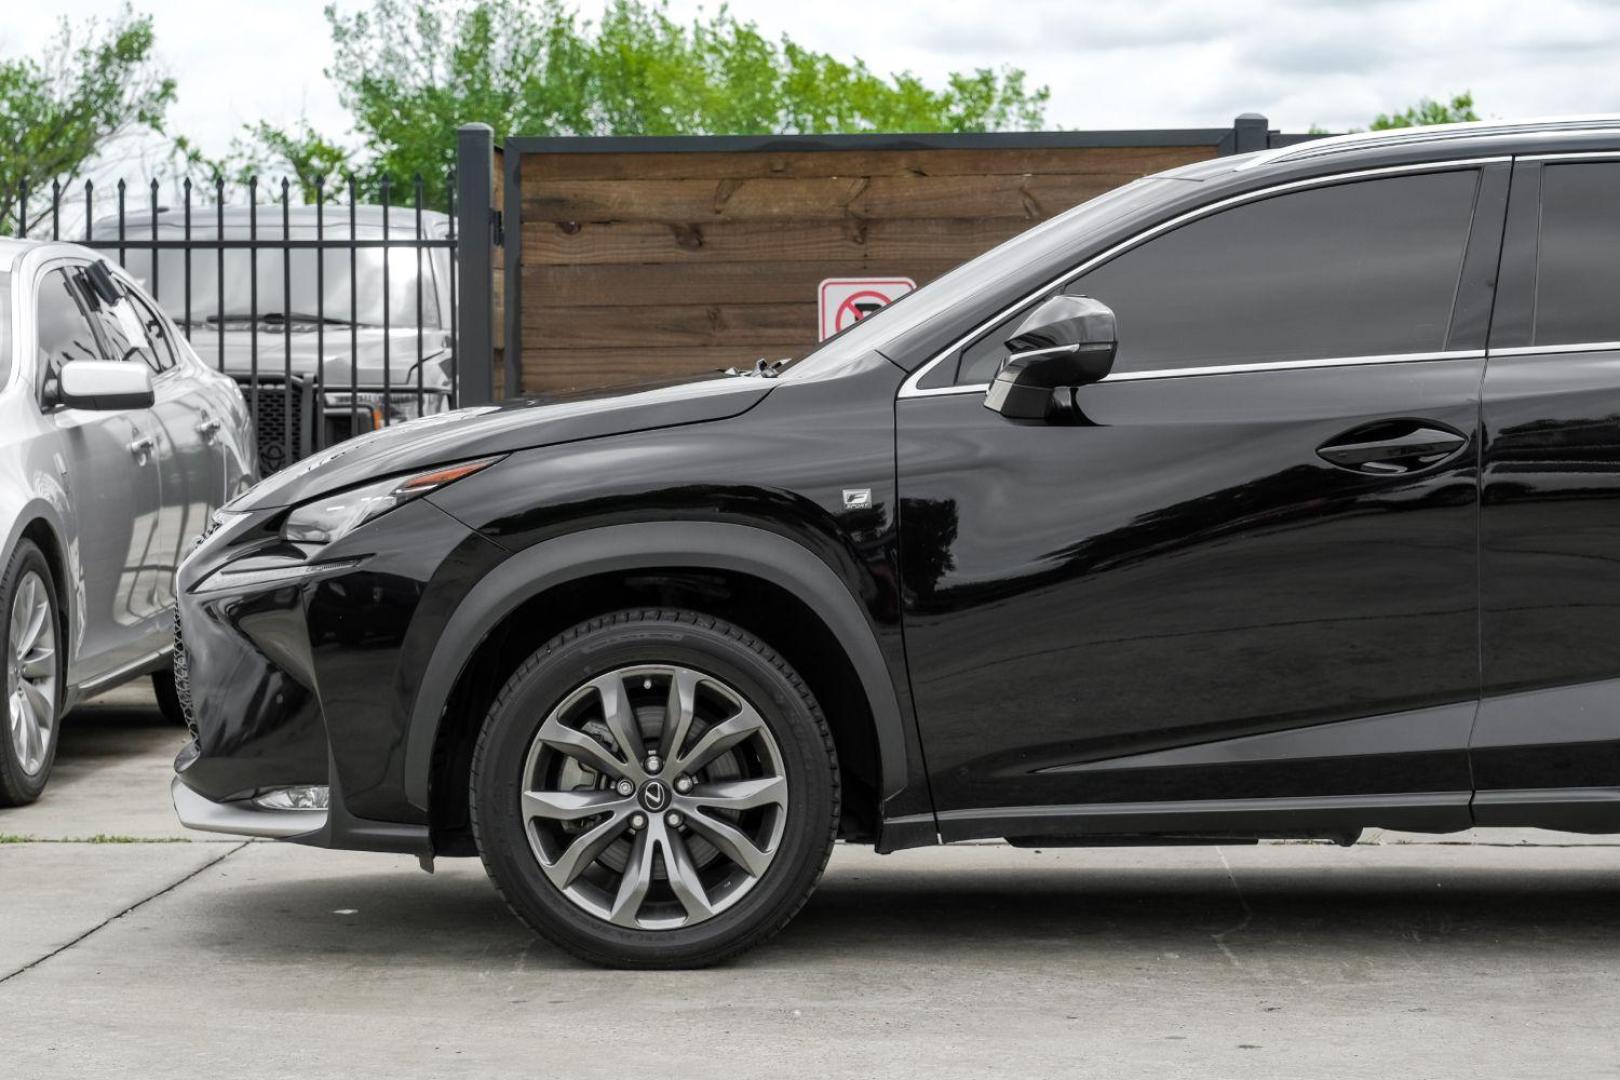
(1393, 447)
(142, 447)
(208, 427)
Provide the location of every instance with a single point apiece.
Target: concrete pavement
(219, 958)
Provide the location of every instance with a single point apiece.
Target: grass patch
(99, 838)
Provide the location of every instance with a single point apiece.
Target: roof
(1435, 136)
(267, 218)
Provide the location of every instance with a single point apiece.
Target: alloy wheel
(654, 797)
(31, 672)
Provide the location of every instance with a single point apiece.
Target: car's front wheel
(33, 675)
(655, 788)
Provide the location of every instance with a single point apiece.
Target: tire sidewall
(16, 786)
(618, 642)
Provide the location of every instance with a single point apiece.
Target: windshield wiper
(278, 318)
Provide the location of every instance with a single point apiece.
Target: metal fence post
(475, 193)
(1250, 132)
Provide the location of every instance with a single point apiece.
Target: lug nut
(673, 819)
(653, 764)
(625, 787)
(638, 821)
(683, 784)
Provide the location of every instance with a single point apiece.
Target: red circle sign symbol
(851, 308)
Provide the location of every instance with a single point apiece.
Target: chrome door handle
(1393, 448)
(142, 447)
(208, 428)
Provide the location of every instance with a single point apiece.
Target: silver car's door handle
(142, 447)
(208, 428)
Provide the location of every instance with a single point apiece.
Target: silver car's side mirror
(105, 385)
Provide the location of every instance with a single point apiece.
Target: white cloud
(1109, 63)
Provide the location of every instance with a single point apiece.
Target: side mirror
(105, 385)
(1066, 341)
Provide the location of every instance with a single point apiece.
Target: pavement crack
(173, 885)
(1219, 937)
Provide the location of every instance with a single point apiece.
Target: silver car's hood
(342, 354)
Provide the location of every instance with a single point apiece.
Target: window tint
(1357, 269)
(1578, 262)
(64, 332)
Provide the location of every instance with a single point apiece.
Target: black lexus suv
(1275, 496)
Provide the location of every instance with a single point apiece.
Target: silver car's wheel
(30, 640)
(654, 796)
(31, 673)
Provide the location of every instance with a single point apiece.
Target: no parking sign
(843, 302)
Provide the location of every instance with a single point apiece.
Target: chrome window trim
(1570, 155)
(1249, 369)
(1577, 347)
(910, 388)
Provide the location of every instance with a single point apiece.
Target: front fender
(705, 544)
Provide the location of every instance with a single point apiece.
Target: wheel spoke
(35, 613)
(31, 746)
(678, 711)
(40, 663)
(581, 747)
(683, 877)
(40, 705)
(584, 851)
(635, 883)
(619, 716)
(572, 805)
(737, 794)
(720, 738)
(730, 841)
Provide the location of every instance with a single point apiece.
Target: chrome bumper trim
(239, 819)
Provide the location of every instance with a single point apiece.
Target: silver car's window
(123, 330)
(159, 347)
(64, 331)
(5, 329)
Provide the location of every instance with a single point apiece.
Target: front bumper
(310, 683)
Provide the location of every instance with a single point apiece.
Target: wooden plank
(848, 244)
(700, 283)
(1137, 160)
(1026, 198)
(549, 371)
(668, 325)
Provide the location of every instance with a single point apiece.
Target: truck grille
(280, 409)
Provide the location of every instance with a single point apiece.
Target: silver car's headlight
(330, 517)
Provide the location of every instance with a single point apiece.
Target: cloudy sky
(1109, 63)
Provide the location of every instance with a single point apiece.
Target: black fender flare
(606, 549)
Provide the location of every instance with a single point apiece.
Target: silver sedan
(116, 443)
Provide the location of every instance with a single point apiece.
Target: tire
(708, 894)
(31, 630)
(168, 698)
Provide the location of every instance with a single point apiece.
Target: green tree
(1427, 111)
(411, 71)
(1458, 110)
(316, 162)
(92, 86)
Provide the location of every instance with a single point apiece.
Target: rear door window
(1578, 256)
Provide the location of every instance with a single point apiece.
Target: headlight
(329, 517)
(390, 408)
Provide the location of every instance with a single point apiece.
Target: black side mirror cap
(1066, 341)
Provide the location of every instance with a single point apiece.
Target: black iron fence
(336, 311)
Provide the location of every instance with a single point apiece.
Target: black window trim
(1576, 346)
(911, 389)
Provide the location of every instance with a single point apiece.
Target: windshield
(235, 301)
(5, 328)
(975, 277)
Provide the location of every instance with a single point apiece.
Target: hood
(303, 350)
(498, 429)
